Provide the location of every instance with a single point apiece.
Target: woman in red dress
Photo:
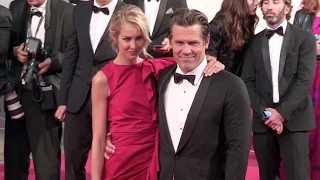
(123, 96)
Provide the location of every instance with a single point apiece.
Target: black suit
(161, 26)
(80, 66)
(5, 32)
(296, 69)
(215, 140)
(38, 131)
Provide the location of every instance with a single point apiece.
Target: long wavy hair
(237, 21)
(310, 6)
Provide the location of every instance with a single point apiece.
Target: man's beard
(276, 19)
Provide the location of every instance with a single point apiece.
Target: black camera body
(41, 91)
(33, 47)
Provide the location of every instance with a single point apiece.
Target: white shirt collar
(146, 1)
(41, 8)
(198, 71)
(111, 6)
(283, 24)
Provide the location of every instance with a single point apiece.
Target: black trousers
(77, 141)
(30, 134)
(292, 148)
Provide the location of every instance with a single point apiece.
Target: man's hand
(110, 148)
(213, 66)
(275, 120)
(278, 128)
(21, 55)
(166, 47)
(61, 113)
(44, 66)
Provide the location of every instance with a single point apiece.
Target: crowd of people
(157, 91)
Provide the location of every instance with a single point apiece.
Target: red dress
(133, 119)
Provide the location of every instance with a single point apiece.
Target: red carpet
(252, 172)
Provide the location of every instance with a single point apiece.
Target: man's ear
(207, 42)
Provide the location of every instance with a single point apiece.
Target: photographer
(40, 31)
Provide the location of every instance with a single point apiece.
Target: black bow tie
(179, 77)
(156, 0)
(270, 32)
(97, 9)
(36, 13)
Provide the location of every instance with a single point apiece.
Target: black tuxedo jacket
(57, 31)
(81, 62)
(216, 139)
(5, 32)
(160, 30)
(297, 66)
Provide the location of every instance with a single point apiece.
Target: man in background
(40, 29)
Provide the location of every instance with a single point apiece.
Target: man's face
(188, 46)
(274, 11)
(35, 3)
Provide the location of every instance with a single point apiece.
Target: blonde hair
(133, 15)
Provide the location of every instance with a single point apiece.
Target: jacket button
(176, 157)
(269, 94)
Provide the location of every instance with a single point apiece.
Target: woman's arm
(99, 96)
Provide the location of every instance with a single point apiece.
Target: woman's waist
(126, 125)
(133, 136)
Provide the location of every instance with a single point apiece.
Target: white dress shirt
(275, 45)
(35, 20)
(151, 10)
(178, 99)
(99, 22)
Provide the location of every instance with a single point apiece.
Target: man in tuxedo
(204, 122)
(278, 71)
(38, 131)
(89, 49)
(158, 13)
(5, 32)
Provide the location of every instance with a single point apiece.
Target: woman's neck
(123, 61)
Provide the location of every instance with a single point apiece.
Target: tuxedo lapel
(284, 49)
(87, 13)
(24, 20)
(106, 31)
(51, 16)
(50, 7)
(161, 13)
(22, 28)
(194, 112)
(141, 5)
(161, 109)
(266, 56)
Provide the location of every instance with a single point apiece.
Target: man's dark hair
(188, 17)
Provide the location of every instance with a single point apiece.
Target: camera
(36, 56)
(10, 97)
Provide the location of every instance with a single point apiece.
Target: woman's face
(252, 5)
(130, 41)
